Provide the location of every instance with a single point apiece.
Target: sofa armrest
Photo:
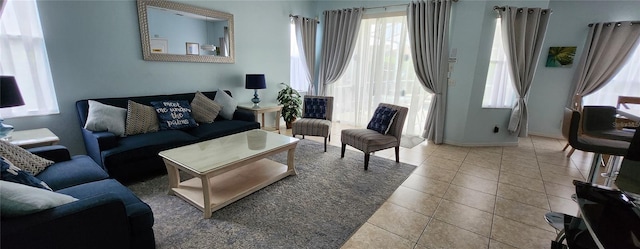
(96, 142)
(96, 222)
(244, 115)
(56, 153)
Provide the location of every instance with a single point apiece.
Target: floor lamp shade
(255, 81)
(9, 97)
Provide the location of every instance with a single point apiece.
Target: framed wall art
(561, 56)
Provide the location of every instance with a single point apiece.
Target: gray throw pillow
(105, 118)
(18, 199)
(229, 104)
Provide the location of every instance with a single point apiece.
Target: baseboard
(466, 144)
(548, 135)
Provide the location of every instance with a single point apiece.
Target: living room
(94, 51)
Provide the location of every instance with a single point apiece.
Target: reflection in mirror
(179, 32)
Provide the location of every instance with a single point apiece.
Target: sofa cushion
(174, 114)
(145, 145)
(222, 128)
(80, 169)
(18, 199)
(229, 104)
(22, 158)
(103, 117)
(204, 109)
(11, 173)
(140, 119)
(140, 214)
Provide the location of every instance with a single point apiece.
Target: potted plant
(291, 103)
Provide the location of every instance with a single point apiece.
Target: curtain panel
(523, 31)
(306, 39)
(607, 48)
(338, 41)
(429, 38)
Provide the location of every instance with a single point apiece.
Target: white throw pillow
(18, 199)
(229, 104)
(106, 118)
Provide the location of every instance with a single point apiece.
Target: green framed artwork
(561, 56)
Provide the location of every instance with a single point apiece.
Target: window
(23, 55)
(498, 91)
(626, 82)
(298, 73)
(381, 70)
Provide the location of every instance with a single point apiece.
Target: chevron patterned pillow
(203, 109)
(140, 119)
(23, 159)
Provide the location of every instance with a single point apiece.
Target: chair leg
(329, 137)
(565, 147)
(397, 154)
(325, 144)
(366, 161)
(344, 146)
(571, 152)
(302, 136)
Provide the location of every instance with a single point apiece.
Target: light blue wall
(94, 51)
(568, 27)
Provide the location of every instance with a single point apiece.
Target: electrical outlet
(451, 82)
(496, 129)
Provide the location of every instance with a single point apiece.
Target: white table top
(217, 153)
(632, 114)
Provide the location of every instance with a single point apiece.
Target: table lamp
(9, 97)
(255, 81)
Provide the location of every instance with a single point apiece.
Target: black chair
(600, 121)
(628, 178)
(598, 146)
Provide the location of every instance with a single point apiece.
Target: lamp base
(5, 131)
(255, 99)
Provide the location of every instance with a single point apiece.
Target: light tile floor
(474, 197)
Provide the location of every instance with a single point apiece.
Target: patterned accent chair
(317, 113)
(369, 140)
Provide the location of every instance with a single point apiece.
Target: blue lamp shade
(9, 92)
(9, 97)
(255, 81)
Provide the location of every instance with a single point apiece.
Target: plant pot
(290, 123)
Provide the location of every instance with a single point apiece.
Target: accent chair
(377, 137)
(317, 113)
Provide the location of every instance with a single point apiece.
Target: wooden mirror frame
(145, 38)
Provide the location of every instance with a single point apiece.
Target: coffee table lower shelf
(231, 186)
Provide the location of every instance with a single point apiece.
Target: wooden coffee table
(228, 168)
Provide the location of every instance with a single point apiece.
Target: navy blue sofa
(106, 214)
(136, 157)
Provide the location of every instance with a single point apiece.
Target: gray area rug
(320, 207)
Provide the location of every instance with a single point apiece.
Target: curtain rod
(394, 5)
(617, 23)
(296, 16)
(504, 8)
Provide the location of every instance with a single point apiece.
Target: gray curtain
(338, 42)
(523, 31)
(306, 39)
(2, 4)
(429, 38)
(607, 47)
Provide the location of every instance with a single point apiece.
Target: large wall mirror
(172, 31)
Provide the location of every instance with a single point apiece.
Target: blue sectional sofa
(135, 157)
(106, 214)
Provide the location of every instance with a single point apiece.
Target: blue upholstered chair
(370, 140)
(317, 113)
